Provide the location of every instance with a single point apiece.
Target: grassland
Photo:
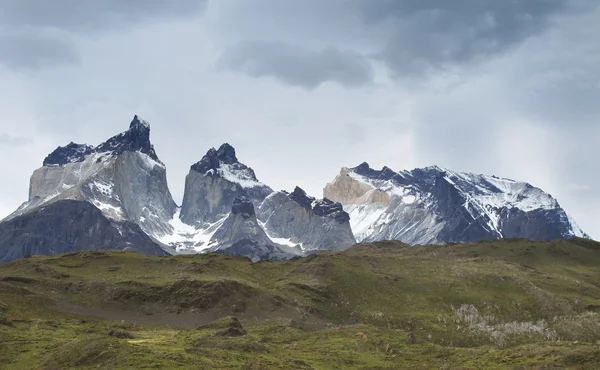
(512, 304)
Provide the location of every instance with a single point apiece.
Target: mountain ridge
(124, 178)
(455, 206)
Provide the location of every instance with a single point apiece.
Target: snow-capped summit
(137, 138)
(433, 205)
(122, 177)
(224, 163)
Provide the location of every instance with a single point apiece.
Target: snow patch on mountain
(240, 175)
(149, 162)
(186, 238)
(365, 218)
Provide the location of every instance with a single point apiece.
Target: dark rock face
(322, 207)
(299, 196)
(137, 138)
(384, 174)
(71, 153)
(214, 158)
(460, 225)
(538, 224)
(326, 208)
(66, 226)
(242, 206)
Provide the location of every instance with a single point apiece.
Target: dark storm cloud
(83, 15)
(29, 52)
(298, 66)
(429, 35)
(412, 37)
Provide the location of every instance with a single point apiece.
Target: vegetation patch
(509, 304)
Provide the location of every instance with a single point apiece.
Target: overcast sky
(303, 87)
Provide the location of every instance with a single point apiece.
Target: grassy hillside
(494, 305)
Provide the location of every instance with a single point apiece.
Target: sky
(302, 88)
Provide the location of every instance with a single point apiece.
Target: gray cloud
(89, 16)
(439, 34)
(414, 38)
(297, 65)
(9, 140)
(32, 32)
(28, 51)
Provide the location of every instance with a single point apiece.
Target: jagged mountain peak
(136, 138)
(215, 158)
(139, 124)
(226, 154)
(322, 207)
(299, 196)
(224, 163)
(71, 153)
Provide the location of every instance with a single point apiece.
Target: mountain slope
(67, 225)
(286, 220)
(313, 224)
(122, 177)
(241, 235)
(434, 206)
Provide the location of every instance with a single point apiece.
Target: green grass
(494, 305)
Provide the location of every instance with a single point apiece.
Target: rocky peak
(327, 208)
(138, 124)
(226, 154)
(137, 138)
(223, 162)
(72, 153)
(214, 158)
(322, 207)
(364, 169)
(299, 196)
(243, 206)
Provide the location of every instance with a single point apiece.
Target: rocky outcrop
(122, 177)
(433, 206)
(69, 225)
(241, 235)
(289, 220)
(297, 219)
(214, 183)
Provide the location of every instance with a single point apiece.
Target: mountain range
(115, 196)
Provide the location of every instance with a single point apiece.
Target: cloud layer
(297, 65)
